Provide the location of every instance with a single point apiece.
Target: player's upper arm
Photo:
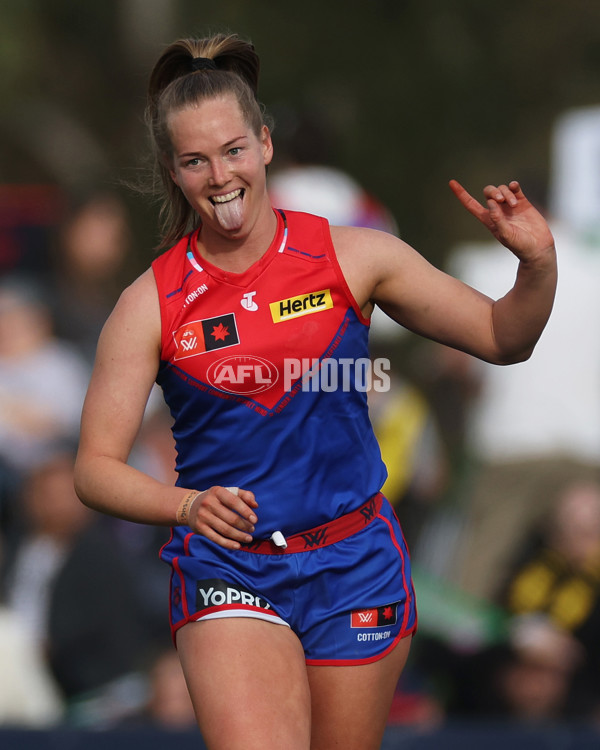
(383, 270)
(126, 365)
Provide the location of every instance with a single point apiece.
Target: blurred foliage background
(415, 92)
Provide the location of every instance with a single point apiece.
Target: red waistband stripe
(324, 535)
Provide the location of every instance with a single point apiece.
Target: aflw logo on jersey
(378, 617)
(206, 335)
(303, 304)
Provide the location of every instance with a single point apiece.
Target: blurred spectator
(330, 192)
(525, 677)
(304, 176)
(42, 378)
(28, 214)
(534, 681)
(90, 256)
(51, 522)
(543, 661)
(28, 695)
(154, 453)
(71, 589)
(556, 586)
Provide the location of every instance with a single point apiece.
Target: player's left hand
(510, 217)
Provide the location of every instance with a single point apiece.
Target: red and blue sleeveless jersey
(260, 371)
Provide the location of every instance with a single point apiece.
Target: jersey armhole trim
(340, 274)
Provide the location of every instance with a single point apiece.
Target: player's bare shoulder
(139, 301)
(136, 316)
(141, 293)
(366, 256)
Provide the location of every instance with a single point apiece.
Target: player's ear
(267, 144)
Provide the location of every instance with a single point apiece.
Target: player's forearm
(110, 486)
(519, 318)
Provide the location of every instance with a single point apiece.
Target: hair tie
(203, 63)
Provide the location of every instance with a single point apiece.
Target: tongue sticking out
(229, 215)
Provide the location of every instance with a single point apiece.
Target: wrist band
(183, 511)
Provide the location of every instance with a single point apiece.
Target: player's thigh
(248, 683)
(351, 704)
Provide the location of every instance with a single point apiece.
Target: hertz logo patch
(303, 304)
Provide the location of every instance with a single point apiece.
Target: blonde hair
(176, 82)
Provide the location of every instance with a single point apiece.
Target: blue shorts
(349, 602)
